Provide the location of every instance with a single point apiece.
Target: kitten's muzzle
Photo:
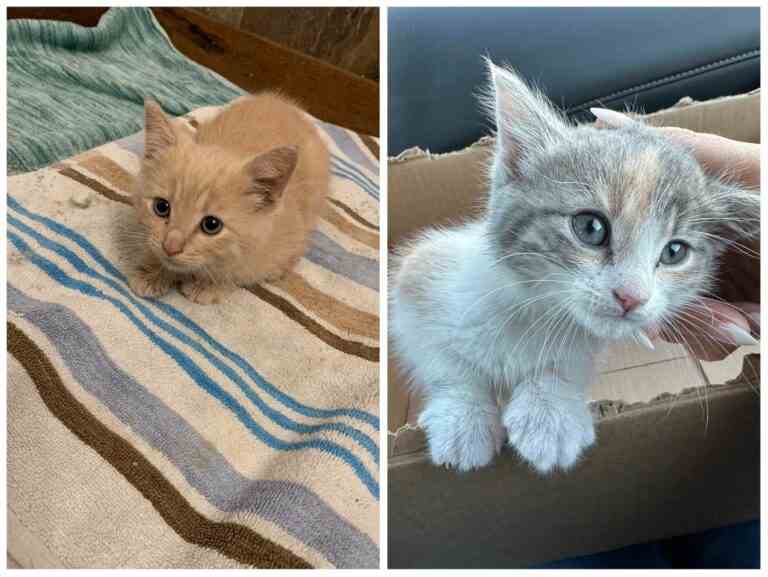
(628, 301)
(173, 243)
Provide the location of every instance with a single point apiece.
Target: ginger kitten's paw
(462, 434)
(549, 428)
(280, 272)
(204, 292)
(150, 282)
(276, 275)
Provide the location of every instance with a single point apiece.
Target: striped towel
(161, 433)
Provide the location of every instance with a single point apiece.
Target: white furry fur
(498, 321)
(447, 328)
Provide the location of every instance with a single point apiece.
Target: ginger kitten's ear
(525, 121)
(270, 172)
(158, 132)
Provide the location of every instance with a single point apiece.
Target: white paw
(462, 434)
(548, 424)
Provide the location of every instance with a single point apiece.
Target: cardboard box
(678, 446)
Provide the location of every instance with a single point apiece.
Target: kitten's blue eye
(161, 207)
(591, 228)
(211, 225)
(674, 253)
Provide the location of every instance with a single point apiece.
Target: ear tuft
(158, 132)
(739, 211)
(525, 121)
(270, 172)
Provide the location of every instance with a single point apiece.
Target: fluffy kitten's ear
(739, 211)
(525, 121)
(270, 172)
(158, 132)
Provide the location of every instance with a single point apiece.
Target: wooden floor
(254, 64)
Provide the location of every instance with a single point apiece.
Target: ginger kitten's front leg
(150, 279)
(204, 291)
(548, 422)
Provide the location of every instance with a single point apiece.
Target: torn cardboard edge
(417, 153)
(407, 443)
(688, 103)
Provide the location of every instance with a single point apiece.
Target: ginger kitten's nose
(173, 243)
(628, 300)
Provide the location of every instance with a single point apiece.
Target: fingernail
(737, 335)
(611, 117)
(645, 339)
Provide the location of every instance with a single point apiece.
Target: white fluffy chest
(471, 320)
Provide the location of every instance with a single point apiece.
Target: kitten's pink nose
(173, 243)
(628, 300)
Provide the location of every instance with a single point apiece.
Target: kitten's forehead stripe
(640, 174)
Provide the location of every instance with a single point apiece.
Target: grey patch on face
(648, 187)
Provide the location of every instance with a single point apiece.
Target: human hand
(715, 325)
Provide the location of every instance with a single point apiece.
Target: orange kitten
(231, 205)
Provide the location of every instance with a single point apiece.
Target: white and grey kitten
(589, 235)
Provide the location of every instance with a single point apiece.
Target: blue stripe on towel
(347, 144)
(290, 505)
(341, 172)
(345, 164)
(197, 375)
(177, 315)
(327, 253)
(362, 439)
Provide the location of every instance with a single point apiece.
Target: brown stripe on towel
(95, 185)
(371, 143)
(361, 235)
(229, 539)
(109, 170)
(334, 312)
(353, 214)
(329, 338)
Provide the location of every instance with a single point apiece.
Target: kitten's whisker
(543, 255)
(688, 357)
(504, 287)
(740, 248)
(697, 332)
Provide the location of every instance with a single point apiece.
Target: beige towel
(161, 433)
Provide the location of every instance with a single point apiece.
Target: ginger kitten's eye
(211, 225)
(591, 228)
(162, 207)
(674, 253)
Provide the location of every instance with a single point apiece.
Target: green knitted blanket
(72, 88)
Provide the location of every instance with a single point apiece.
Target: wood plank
(347, 37)
(81, 16)
(254, 64)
